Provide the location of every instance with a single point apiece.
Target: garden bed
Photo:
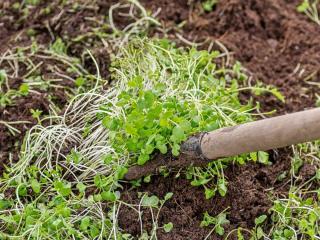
(276, 44)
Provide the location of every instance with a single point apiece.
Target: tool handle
(255, 136)
(262, 135)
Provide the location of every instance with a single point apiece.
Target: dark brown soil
(275, 43)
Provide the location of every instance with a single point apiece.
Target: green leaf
(110, 123)
(36, 113)
(94, 231)
(239, 234)
(35, 185)
(30, 221)
(209, 193)
(162, 148)
(121, 172)
(278, 94)
(222, 188)
(5, 204)
(175, 150)
(149, 98)
(178, 134)
(85, 223)
(143, 158)
(219, 230)
(263, 157)
(59, 47)
(151, 201)
(303, 6)
(107, 159)
(80, 81)
(63, 211)
(147, 179)
(260, 233)
(318, 102)
(211, 126)
(168, 196)
(74, 157)
(22, 190)
(108, 196)
(136, 82)
(97, 197)
(64, 189)
(209, 4)
(186, 126)
(260, 219)
(168, 227)
(297, 164)
(288, 233)
(254, 156)
(199, 182)
(100, 181)
(24, 89)
(3, 76)
(81, 187)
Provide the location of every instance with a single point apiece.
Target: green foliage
(310, 8)
(59, 47)
(8, 95)
(218, 222)
(36, 113)
(160, 95)
(296, 216)
(169, 94)
(208, 5)
(168, 227)
(151, 201)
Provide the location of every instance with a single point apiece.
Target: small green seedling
(258, 229)
(168, 227)
(208, 5)
(36, 113)
(218, 222)
(310, 8)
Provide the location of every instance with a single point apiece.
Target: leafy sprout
(310, 8)
(218, 222)
(208, 5)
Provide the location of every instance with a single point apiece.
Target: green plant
(208, 5)
(152, 106)
(7, 97)
(218, 222)
(297, 215)
(67, 182)
(36, 114)
(43, 201)
(310, 8)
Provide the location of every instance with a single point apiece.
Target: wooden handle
(262, 135)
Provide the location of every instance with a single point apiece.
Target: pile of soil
(277, 45)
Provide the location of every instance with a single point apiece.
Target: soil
(276, 44)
